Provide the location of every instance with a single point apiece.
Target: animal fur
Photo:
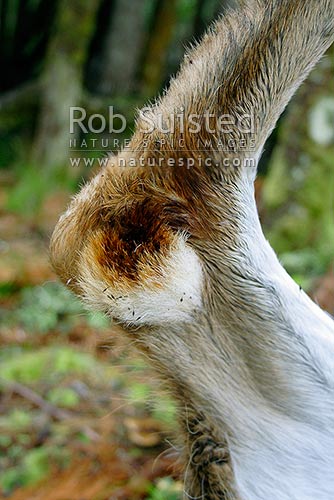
(178, 258)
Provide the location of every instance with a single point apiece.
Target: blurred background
(81, 417)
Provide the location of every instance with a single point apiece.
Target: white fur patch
(174, 298)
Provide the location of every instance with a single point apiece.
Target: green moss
(166, 489)
(34, 466)
(63, 396)
(47, 364)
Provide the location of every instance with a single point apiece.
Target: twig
(46, 407)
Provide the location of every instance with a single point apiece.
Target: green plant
(16, 420)
(166, 489)
(42, 307)
(164, 409)
(63, 396)
(51, 306)
(47, 364)
(33, 467)
(28, 194)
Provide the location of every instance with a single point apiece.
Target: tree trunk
(62, 80)
(122, 48)
(208, 10)
(156, 54)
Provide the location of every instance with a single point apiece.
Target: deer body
(178, 258)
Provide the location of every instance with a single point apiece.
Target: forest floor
(81, 417)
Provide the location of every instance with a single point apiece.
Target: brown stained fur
(121, 249)
(132, 219)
